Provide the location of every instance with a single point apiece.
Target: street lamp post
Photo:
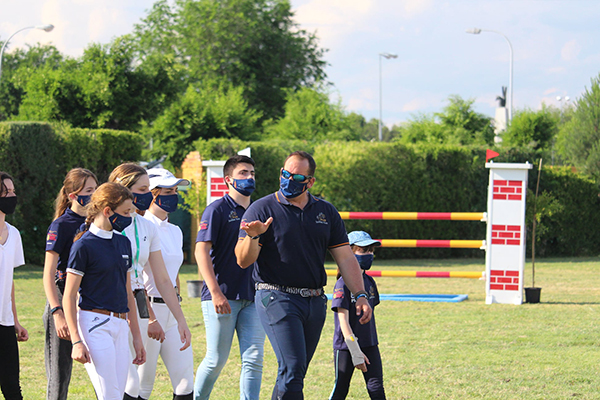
(387, 57)
(46, 28)
(477, 31)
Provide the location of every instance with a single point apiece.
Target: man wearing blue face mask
(228, 291)
(288, 233)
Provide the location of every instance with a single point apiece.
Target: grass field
(466, 350)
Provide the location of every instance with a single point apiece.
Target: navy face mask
(8, 204)
(244, 186)
(168, 202)
(364, 260)
(119, 222)
(290, 188)
(84, 200)
(142, 200)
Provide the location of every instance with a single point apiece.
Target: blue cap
(362, 239)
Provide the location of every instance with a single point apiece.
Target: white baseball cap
(160, 177)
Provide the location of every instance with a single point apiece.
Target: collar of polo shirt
(101, 233)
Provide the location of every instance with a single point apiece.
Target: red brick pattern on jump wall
(506, 235)
(508, 190)
(504, 280)
(218, 187)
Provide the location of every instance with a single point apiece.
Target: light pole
(46, 28)
(387, 57)
(477, 31)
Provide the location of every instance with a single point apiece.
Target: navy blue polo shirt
(220, 225)
(60, 236)
(367, 333)
(103, 259)
(293, 249)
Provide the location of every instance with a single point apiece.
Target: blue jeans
(293, 325)
(219, 336)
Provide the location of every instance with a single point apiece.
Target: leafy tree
(310, 115)
(533, 129)
(102, 89)
(457, 124)
(579, 138)
(17, 67)
(254, 44)
(213, 111)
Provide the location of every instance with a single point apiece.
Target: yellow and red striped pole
(456, 244)
(413, 216)
(420, 274)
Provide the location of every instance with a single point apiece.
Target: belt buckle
(305, 292)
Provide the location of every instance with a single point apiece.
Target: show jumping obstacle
(505, 235)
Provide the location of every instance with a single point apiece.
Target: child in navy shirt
(349, 353)
(69, 215)
(98, 269)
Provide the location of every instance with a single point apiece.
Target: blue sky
(555, 42)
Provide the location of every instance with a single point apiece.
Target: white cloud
(550, 91)
(570, 50)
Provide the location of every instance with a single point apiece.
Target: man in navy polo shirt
(228, 291)
(288, 233)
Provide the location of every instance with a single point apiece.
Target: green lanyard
(137, 246)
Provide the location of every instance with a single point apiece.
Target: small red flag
(489, 154)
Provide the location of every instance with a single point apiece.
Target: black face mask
(8, 204)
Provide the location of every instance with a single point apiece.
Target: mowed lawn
(466, 350)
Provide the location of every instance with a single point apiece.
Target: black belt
(160, 300)
(304, 292)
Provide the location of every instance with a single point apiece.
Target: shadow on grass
(28, 271)
(578, 303)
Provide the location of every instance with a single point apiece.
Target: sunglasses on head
(295, 177)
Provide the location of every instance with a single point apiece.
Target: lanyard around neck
(137, 246)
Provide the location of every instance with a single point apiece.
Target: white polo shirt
(11, 257)
(145, 233)
(171, 246)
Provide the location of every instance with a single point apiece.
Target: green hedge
(38, 156)
(365, 176)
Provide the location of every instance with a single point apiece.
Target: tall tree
(253, 44)
(579, 138)
(213, 111)
(534, 129)
(310, 115)
(102, 89)
(17, 68)
(457, 124)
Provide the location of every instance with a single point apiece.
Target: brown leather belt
(106, 312)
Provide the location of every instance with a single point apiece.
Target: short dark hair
(234, 161)
(312, 165)
(3, 188)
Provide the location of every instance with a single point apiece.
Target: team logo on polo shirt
(338, 293)
(203, 225)
(233, 216)
(51, 236)
(322, 219)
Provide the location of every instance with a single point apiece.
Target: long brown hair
(127, 174)
(74, 183)
(110, 195)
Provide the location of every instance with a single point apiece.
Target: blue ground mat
(448, 298)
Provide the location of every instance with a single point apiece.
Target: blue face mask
(364, 260)
(84, 200)
(142, 200)
(244, 186)
(168, 202)
(290, 188)
(119, 222)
